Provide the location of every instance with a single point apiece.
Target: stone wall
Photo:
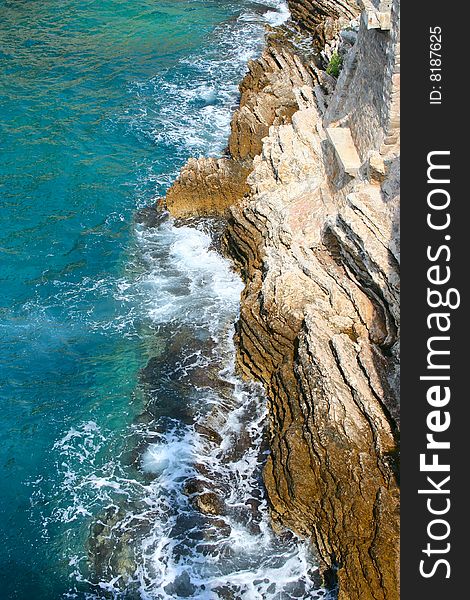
(367, 97)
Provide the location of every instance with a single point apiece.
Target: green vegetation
(335, 64)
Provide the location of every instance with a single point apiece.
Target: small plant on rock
(335, 64)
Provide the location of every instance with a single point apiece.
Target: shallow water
(116, 339)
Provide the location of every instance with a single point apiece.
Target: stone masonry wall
(367, 94)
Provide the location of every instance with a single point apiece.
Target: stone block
(377, 18)
(345, 150)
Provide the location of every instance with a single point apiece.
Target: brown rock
(322, 18)
(207, 187)
(209, 503)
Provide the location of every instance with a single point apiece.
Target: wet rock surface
(152, 216)
(209, 503)
(111, 549)
(208, 433)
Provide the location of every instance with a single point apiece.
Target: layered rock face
(314, 231)
(207, 186)
(322, 18)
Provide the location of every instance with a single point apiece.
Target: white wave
(245, 558)
(184, 553)
(279, 15)
(186, 281)
(170, 457)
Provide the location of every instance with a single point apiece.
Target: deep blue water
(100, 105)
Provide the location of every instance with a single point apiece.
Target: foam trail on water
(214, 463)
(186, 281)
(192, 521)
(174, 506)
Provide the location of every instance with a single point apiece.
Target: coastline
(116, 333)
(312, 228)
(201, 404)
(203, 442)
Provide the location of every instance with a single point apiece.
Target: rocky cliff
(309, 188)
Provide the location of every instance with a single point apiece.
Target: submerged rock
(151, 216)
(208, 433)
(111, 551)
(181, 587)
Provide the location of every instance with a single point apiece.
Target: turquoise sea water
(100, 105)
